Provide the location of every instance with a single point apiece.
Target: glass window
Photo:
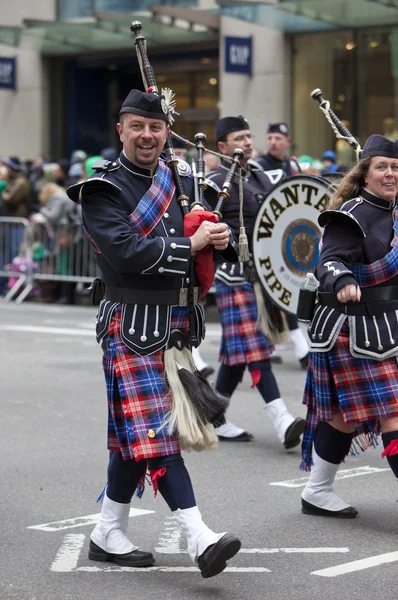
(357, 72)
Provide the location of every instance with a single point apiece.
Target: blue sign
(8, 73)
(238, 55)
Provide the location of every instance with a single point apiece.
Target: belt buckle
(183, 298)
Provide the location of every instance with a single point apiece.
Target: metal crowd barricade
(65, 253)
(44, 253)
(15, 257)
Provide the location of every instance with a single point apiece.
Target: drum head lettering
(286, 237)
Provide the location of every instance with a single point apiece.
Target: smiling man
(131, 216)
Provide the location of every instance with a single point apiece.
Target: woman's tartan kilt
(243, 341)
(364, 390)
(138, 395)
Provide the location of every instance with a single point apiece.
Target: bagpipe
(341, 131)
(195, 407)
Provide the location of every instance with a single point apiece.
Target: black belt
(178, 297)
(368, 295)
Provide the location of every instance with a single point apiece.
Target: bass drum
(286, 236)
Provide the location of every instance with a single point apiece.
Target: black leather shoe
(276, 359)
(245, 436)
(206, 371)
(304, 361)
(213, 560)
(293, 432)
(309, 509)
(136, 558)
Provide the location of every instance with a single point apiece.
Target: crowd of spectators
(35, 190)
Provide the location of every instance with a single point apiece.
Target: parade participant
(243, 343)
(352, 382)
(180, 148)
(131, 216)
(278, 143)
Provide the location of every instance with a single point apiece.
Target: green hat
(305, 161)
(88, 164)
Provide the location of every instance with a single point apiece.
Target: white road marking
(169, 540)
(345, 474)
(292, 550)
(170, 550)
(171, 569)
(68, 554)
(358, 565)
(82, 521)
(51, 330)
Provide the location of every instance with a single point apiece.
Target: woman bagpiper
(351, 389)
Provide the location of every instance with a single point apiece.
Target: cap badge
(164, 106)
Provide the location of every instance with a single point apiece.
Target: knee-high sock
(228, 379)
(175, 484)
(292, 322)
(330, 444)
(390, 442)
(123, 477)
(267, 386)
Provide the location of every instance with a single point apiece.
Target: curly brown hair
(350, 185)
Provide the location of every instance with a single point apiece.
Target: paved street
(53, 467)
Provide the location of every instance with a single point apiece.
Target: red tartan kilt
(364, 389)
(138, 401)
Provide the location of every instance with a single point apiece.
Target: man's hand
(349, 293)
(216, 234)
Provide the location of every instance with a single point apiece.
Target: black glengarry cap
(378, 145)
(145, 104)
(229, 125)
(280, 127)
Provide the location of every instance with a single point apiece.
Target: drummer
(243, 343)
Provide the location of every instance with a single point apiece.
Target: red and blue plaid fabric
(243, 341)
(154, 203)
(364, 390)
(377, 272)
(138, 396)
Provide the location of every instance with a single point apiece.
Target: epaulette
(342, 216)
(105, 166)
(74, 191)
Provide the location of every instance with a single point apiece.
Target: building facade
(66, 65)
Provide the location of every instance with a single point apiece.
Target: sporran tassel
(243, 242)
(184, 418)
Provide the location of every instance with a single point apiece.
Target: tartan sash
(154, 203)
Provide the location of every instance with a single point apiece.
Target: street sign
(238, 55)
(7, 73)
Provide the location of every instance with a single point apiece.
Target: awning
(111, 31)
(292, 16)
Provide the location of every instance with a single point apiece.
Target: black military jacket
(159, 261)
(267, 162)
(360, 231)
(256, 185)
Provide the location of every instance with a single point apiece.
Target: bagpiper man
(351, 390)
(243, 343)
(131, 216)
